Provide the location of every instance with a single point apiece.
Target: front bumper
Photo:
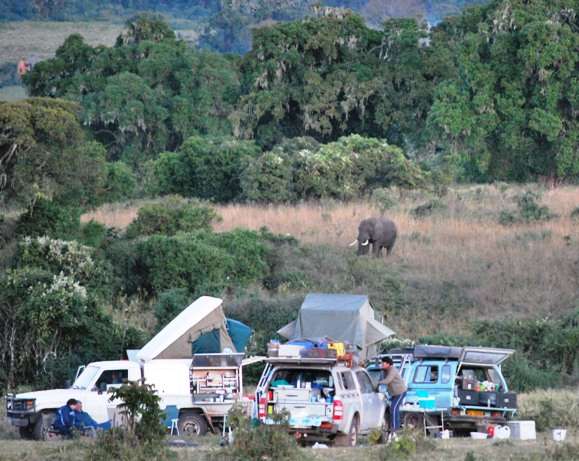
(20, 412)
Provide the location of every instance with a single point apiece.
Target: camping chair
(172, 418)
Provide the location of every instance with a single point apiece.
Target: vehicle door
(372, 405)
(98, 399)
(349, 396)
(433, 380)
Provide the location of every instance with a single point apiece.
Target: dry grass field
(458, 255)
(40, 39)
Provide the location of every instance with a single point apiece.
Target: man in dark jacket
(397, 391)
(66, 417)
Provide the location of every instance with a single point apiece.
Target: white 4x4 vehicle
(325, 399)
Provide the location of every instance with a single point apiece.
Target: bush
(206, 168)
(120, 182)
(530, 210)
(268, 179)
(428, 208)
(384, 199)
(202, 263)
(575, 213)
(169, 304)
(171, 216)
(271, 441)
(551, 409)
(45, 217)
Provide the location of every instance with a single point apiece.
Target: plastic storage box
(523, 430)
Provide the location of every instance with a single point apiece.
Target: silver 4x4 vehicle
(325, 399)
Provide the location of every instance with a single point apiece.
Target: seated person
(66, 417)
(84, 421)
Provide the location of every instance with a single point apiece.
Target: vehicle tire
(43, 423)
(192, 424)
(351, 438)
(25, 432)
(413, 421)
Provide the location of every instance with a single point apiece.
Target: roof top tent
(200, 328)
(341, 317)
(484, 356)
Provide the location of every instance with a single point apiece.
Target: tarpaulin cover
(239, 333)
(341, 317)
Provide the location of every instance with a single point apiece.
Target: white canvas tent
(175, 341)
(342, 317)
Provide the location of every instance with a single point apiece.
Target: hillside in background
(227, 24)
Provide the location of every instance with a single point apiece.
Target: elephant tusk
(353, 243)
(366, 243)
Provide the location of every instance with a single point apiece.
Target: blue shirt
(65, 419)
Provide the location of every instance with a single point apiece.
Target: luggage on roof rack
(439, 352)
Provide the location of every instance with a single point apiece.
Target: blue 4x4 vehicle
(458, 388)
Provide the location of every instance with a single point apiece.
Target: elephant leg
(389, 250)
(377, 250)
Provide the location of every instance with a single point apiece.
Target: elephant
(379, 232)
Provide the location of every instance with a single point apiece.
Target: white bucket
(559, 435)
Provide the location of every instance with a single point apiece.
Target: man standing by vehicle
(397, 391)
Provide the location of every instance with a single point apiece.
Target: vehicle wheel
(43, 423)
(351, 438)
(413, 421)
(192, 424)
(25, 432)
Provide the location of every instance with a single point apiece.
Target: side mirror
(382, 388)
(102, 388)
(381, 396)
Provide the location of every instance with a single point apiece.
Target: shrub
(428, 208)
(169, 304)
(508, 218)
(141, 408)
(206, 168)
(403, 447)
(45, 217)
(271, 441)
(268, 178)
(202, 263)
(120, 182)
(384, 198)
(551, 408)
(171, 216)
(530, 210)
(575, 213)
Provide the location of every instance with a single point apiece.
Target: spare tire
(42, 424)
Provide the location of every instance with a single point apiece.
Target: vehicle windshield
(86, 378)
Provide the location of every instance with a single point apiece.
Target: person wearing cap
(397, 390)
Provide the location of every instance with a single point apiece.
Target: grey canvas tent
(341, 317)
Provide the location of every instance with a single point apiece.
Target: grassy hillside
(453, 266)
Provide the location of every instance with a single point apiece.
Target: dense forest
(322, 107)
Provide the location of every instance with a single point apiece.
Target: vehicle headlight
(29, 404)
(9, 404)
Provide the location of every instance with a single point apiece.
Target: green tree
(44, 150)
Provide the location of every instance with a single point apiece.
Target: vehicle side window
(445, 379)
(112, 378)
(348, 381)
(365, 383)
(426, 374)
